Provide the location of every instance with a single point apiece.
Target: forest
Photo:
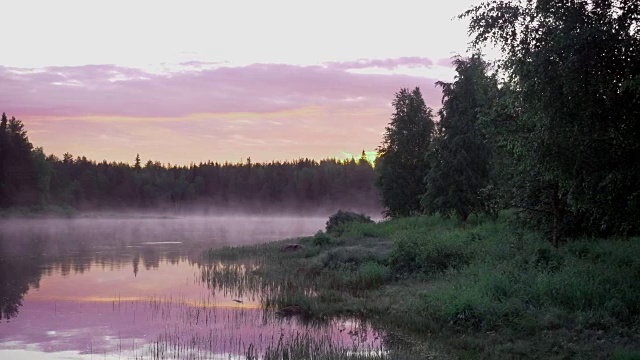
(551, 129)
(513, 210)
(31, 179)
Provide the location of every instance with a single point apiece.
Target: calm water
(134, 288)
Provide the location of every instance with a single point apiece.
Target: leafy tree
(460, 158)
(575, 68)
(401, 163)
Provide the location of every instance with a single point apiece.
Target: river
(132, 287)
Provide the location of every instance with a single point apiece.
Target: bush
(336, 223)
(424, 253)
(321, 239)
(372, 274)
(365, 276)
(352, 256)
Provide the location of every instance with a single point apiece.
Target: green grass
(486, 289)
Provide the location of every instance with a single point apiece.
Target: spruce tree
(3, 155)
(18, 185)
(137, 163)
(460, 159)
(401, 163)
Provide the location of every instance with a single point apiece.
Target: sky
(192, 81)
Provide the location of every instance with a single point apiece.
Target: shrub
(366, 276)
(321, 239)
(372, 274)
(417, 253)
(352, 256)
(336, 223)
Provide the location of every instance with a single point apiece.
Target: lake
(136, 288)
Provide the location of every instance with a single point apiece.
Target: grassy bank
(487, 289)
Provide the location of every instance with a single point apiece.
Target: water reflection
(134, 289)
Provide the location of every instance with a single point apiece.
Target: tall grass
(508, 275)
(489, 278)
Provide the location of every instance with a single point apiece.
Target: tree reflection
(31, 250)
(28, 254)
(17, 275)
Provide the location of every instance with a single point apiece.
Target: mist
(111, 274)
(101, 230)
(36, 249)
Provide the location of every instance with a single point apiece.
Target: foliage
(478, 284)
(460, 158)
(427, 253)
(625, 354)
(321, 238)
(337, 221)
(400, 163)
(574, 118)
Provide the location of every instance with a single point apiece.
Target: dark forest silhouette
(28, 177)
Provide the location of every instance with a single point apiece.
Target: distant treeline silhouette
(28, 177)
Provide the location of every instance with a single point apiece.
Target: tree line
(28, 177)
(552, 129)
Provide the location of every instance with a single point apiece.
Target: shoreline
(67, 212)
(485, 289)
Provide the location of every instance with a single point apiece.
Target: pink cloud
(103, 90)
(199, 64)
(390, 64)
(266, 111)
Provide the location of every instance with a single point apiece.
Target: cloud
(103, 90)
(267, 111)
(446, 62)
(389, 64)
(200, 64)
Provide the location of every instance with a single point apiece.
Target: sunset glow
(201, 82)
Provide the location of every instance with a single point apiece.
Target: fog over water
(133, 286)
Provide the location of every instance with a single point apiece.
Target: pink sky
(222, 83)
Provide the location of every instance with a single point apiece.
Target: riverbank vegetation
(514, 210)
(486, 288)
(550, 129)
(532, 184)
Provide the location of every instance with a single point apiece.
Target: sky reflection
(144, 301)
